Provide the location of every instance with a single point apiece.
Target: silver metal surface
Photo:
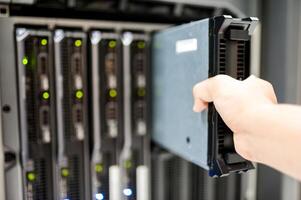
(175, 125)
(58, 37)
(126, 150)
(2, 162)
(143, 183)
(114, 183)
(9, 97)
(95, 39)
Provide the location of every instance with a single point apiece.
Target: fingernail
(194, 108)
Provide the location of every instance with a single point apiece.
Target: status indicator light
(127, 192)
(141, 45)
(44, 42)
(25, 61)
(78, 43)
(79, 94)
(112, 44)
(31, 176)
(45, 95)
(99, 168)
(141, 92)
(99, 196)
(128, 164)
(65, 172)
(113, 93)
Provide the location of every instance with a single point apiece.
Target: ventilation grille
(241, 73)
(222, 56)
(40, 185)
(65, 58)
(173, 172)
(74, 190)
(200, 187)
(222, 70)
(31, 90)
(139, 110)
(241, 68)
(221, 134)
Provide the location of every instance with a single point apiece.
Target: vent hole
(3, 11)
(6, 108)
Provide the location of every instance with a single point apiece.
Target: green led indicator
(141, 92)
(141, 45)
(31, 176)
(64, 172)
(46, 95)
(79, 94)
(78, 43)
(25, 61)
(98, 168)
(113, 93)
(44, 42)
(128, 164)
(112, 44)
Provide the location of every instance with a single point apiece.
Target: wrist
(254, 135)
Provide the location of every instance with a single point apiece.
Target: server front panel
(37, 125)
(72, 114)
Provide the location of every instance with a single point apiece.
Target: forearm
(274, 137)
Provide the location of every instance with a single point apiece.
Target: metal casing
(182, 57)
(175, 71)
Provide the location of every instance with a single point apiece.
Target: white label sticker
(186, 45)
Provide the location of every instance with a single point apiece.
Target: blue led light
(99, 196)
(127, 192)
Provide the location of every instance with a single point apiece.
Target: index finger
(206, 91)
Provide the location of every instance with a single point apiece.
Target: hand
(236, 102)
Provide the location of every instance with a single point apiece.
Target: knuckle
(196, 89)
(221, 77)
(269, 86)
(220, 80)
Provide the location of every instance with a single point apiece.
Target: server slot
(134, 157)
(37, 111)
(107, 124)
(72, 114)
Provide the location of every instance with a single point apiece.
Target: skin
(264, 131)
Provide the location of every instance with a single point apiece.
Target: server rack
(9, 97)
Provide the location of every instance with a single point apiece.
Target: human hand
(237, 102)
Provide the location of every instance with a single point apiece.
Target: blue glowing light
(127, 192)
(99, 196)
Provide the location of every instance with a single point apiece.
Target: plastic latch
(239, 35)
(232, 158)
